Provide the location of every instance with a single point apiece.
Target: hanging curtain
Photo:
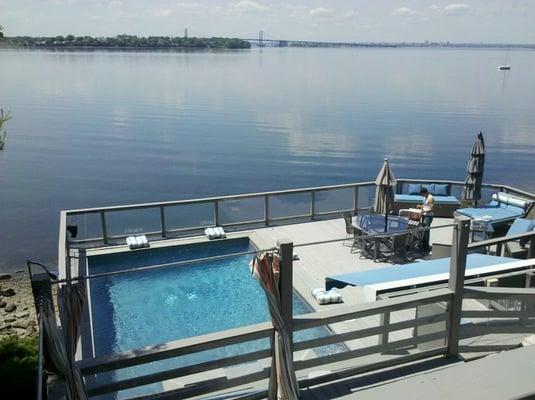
(61, 344)
(282, 381)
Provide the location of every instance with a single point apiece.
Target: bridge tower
(261, 38)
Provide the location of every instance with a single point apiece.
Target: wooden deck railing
(514, 317)
(162, 213)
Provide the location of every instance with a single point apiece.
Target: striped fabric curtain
(282, 381)
(62, 343)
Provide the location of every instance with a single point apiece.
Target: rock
(20, 324)
(10, 319)
(4, 327)
(11, 307)
(8, 292)
(4, 277)
(2, 304)
(22, 315)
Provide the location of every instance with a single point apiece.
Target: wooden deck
(318, 261)
(507, 375)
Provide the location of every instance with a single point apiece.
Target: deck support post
(356, 200)
(313, 205)
(162, 222)
(266, 209)
(286, 284)
(385, 322)
(103, 227)
(459, 252)
(531, 249)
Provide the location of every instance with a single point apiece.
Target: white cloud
(349, 14)
(321, 12)
(452, 10)
(189, 5)
(115, 4)
(163, 12)
(456, 9)
(248, 6)
(404, 12)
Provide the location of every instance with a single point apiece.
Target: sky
(490, 21)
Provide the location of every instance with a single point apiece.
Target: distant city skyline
(489, 21)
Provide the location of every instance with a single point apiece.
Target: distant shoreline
(290, 45)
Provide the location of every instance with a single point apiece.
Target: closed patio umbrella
(475, 168)
(384, 192)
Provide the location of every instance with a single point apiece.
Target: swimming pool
(150, 307)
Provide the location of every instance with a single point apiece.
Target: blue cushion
(498, 214)
(441, 190)
(414, 188)
(521, 225)
(411, 198)
(430, 187)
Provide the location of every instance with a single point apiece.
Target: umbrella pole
(386, 216)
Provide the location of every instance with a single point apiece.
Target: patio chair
(350, 229)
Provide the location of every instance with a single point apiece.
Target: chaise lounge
(409, 197)
(503, 209)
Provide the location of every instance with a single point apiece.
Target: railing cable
(240, 254)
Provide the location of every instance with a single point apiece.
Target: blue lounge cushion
(441, 190)
(430, 188)
(410, 198)
(414, 188)
(499, 213)
(521, 225)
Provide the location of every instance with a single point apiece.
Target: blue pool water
(146, 308)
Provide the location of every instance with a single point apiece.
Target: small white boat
(506, 66)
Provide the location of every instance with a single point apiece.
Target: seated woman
(427, 216)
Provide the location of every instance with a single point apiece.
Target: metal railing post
(531, 249)
(356, 200)
(459, 252)
(286, 284)
(266, 209)
(385, 321)
(104, 228)
(312, 205)
(162, 222)
(216, 212)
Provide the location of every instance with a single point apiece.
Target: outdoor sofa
(409, 196)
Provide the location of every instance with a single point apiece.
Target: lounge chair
(517, 248)
(502, 209)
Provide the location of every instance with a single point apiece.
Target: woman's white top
(428, 206)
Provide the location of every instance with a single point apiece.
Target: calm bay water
(105, 128)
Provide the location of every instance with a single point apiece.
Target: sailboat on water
(506, 66)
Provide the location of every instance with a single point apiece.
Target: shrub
(18, 367)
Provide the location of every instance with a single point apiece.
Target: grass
(18, 367)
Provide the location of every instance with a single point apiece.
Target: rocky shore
(17, 310)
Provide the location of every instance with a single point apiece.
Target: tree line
(126, 41)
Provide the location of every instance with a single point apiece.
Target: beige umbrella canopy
(384, 193)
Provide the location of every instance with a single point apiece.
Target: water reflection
(102, 128)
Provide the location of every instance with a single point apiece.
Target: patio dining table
(389, 243)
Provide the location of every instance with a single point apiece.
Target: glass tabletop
(375, 223)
